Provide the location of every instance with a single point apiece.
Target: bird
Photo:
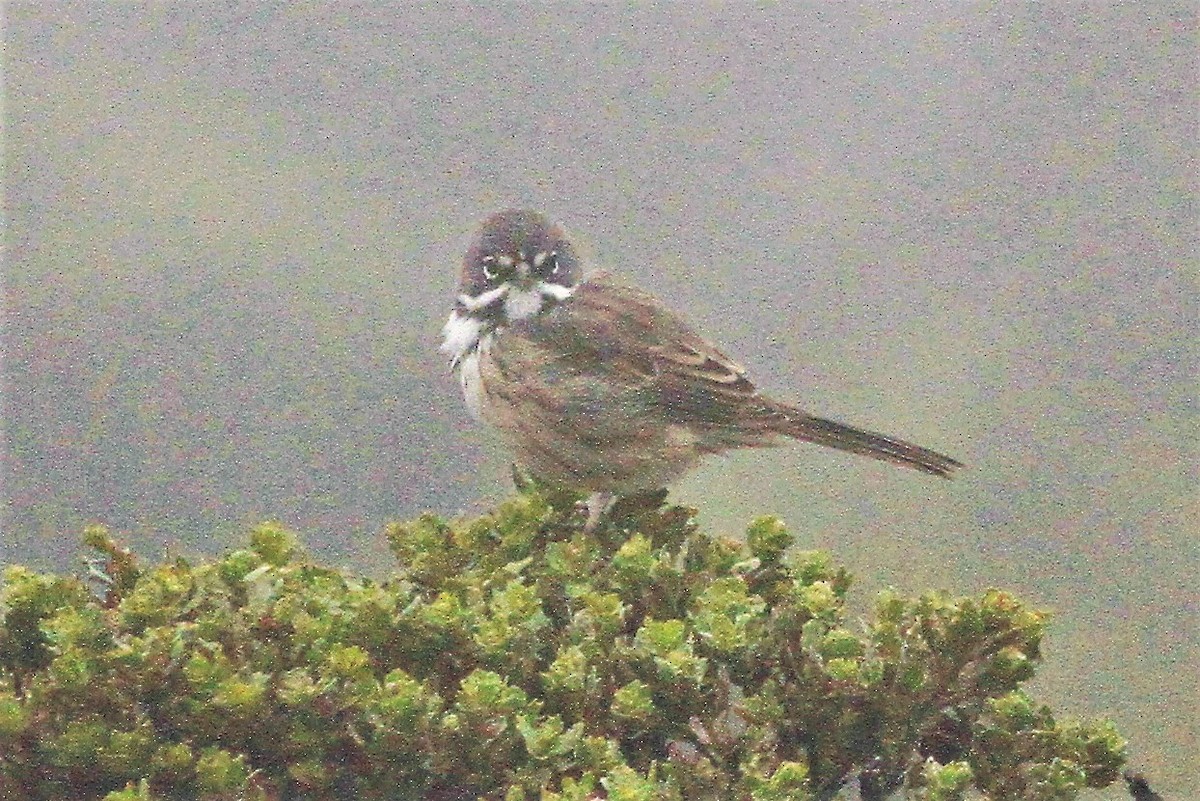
(596, 385)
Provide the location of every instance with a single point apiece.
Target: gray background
(234, 232)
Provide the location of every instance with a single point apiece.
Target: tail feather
(833, 434)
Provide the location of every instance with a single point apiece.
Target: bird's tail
(833, 434)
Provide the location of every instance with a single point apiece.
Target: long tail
(843, 437)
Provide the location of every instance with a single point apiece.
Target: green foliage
(515, 657)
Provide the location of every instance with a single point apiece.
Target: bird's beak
(524, 278)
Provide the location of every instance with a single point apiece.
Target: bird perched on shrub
(598, 386)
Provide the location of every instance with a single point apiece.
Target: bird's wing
(614, 347)
(633, 341)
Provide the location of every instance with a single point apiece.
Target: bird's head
(519, 264)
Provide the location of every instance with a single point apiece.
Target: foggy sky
(234, 232)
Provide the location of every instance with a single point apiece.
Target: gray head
(517, 262)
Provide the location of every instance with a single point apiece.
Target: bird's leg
(597, 504)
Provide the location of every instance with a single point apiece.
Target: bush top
(513, 656)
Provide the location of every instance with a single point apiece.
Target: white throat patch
(519, 304)
(461, 334)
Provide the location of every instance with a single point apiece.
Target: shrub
(515, 657)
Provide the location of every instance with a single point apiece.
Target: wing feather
(625, 361)
(636, 343)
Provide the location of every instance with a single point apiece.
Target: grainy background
(233, 233)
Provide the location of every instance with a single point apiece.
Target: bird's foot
(597, 504)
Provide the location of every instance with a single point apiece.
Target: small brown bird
(599, 386)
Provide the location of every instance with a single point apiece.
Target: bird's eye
(490, 268)
(550, 265)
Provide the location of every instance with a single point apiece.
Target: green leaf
(768, 538)
(633, 702)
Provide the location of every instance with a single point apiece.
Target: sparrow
(597, 386)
